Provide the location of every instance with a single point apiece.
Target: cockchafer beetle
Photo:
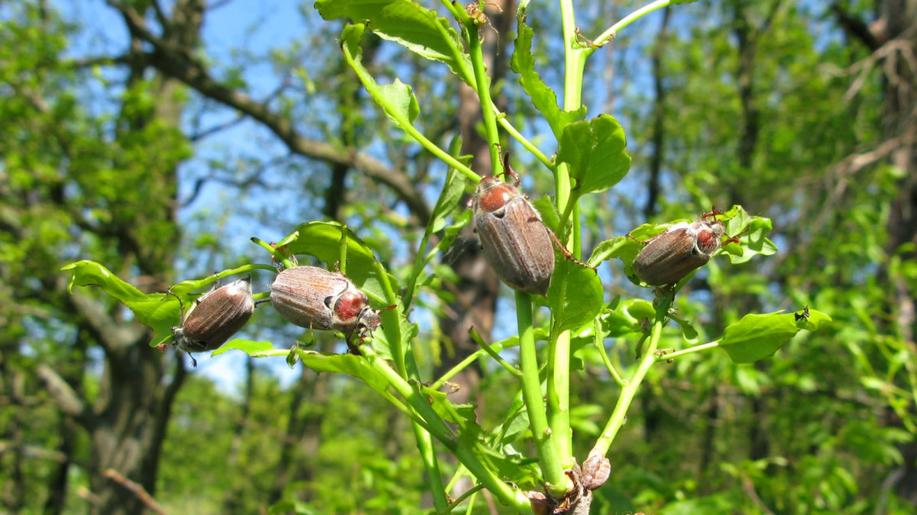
(215, 317)
(515, 241)
(315, 298)
(668, 257)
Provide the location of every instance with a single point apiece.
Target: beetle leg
(563, 249)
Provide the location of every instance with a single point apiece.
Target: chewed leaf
(542, 96)
(407, 23)
(158, 311)
(757, 336)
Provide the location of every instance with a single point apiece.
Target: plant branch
(629, 391)
(600, 346)
(612, 31)
(665, 356)
(64, 396)
(406, 366)
(482, 80)
(493, 350)
(404, 123)
(135, 488)
(556, 482)
(467, 454)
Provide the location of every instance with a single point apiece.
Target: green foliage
(541, 95)
(756, 337)
(596, 152)
(158, 311)
(416, 28)
(575, 295)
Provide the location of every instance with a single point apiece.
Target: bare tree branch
(66, 398)
(112, 335)
(136, 489)
(855, 27)
(180, 64)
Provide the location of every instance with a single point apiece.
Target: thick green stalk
(556, 481)
(558, 387)
(629, 391)
(482, 80)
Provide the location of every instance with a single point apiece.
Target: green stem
(467, 454)
(342, 251)
(612, 31)
(558, 384)
(697, 348)
(600, 346)
(629, 391)
(486, 348)
(408, 368)
(493, 351)
(482, 80)
(405, 124)
(556, 481)
(280, 258)
(528, 145)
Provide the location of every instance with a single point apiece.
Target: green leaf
(626, 316)
(451, 195)
(757, 336)
(580, 298)
(543, 97)
(548, 211)
(401, 98)
(349, 364)
(251, 347)
(158, 311)
(752, 233)
(596, 152)
(184, 289)
(462, 415)
(407, 23)
(322, 240)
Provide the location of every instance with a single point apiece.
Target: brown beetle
(515, 241)
(215, 317)
(668, 257)
(315, 298)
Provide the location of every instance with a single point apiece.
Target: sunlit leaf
(158, 311)
(251, 347)
(596, 152)
(580, 298)
(407, 23)
(541, 95)
(757, 336)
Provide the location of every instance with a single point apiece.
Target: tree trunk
(477, 288)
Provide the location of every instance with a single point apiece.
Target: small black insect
(804, 315)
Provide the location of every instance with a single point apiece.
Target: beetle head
(492, 194)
